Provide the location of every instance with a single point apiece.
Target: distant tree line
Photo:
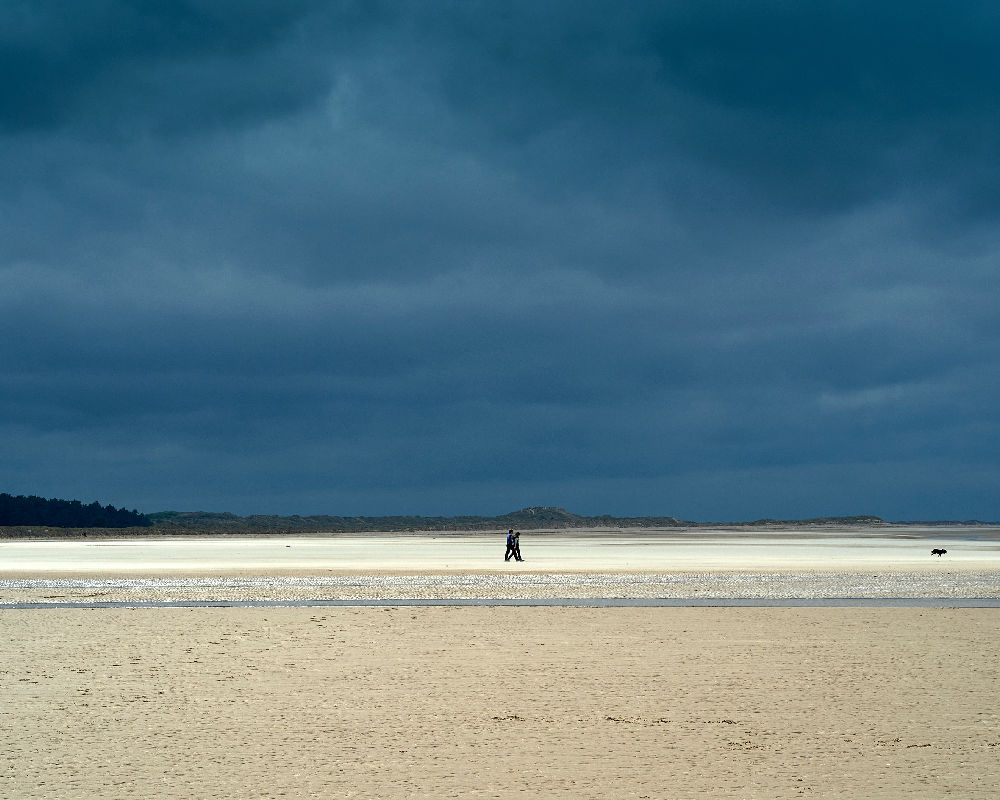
(38, 511)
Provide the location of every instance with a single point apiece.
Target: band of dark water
(567, 602)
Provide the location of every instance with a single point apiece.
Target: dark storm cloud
(712, 260)
(114, 64)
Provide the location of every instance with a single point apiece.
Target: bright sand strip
(576, 564)
(660, 550)
(500, 703)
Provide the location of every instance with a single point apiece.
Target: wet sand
(500, 703)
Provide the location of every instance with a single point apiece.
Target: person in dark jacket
(517, 545)
(511, 546)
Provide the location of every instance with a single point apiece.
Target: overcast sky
(716, 260)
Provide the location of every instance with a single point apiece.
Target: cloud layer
(369, 258)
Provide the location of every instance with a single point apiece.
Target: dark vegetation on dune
(38, 517)
(35, 516)
(526, 519)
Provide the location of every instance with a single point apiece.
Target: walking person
(511, 546)
(517, 546)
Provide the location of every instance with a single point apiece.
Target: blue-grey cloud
(677, 258)
(109, 66)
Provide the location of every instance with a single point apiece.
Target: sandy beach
(499, 702)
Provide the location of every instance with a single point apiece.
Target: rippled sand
(499, 703)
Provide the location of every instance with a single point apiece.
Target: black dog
(937, 552)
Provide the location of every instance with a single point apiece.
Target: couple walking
(513, 546)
